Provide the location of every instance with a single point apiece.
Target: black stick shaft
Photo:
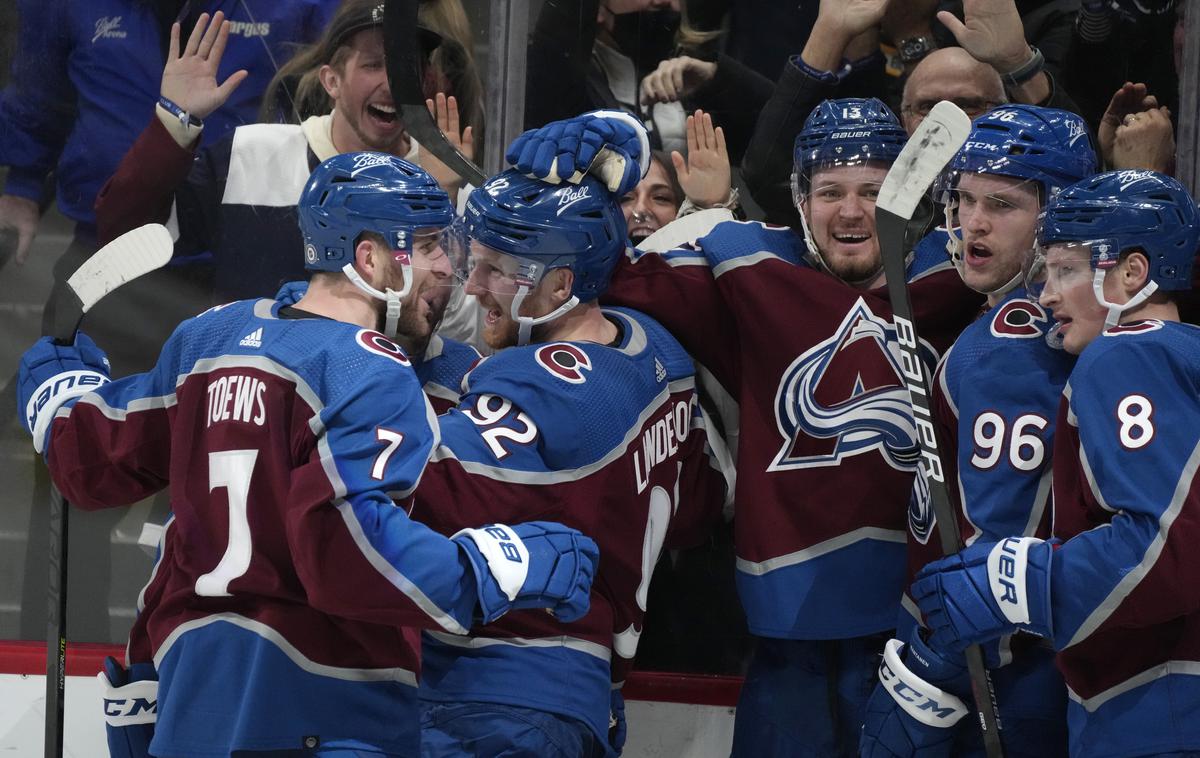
(70, 313)
(891, 228)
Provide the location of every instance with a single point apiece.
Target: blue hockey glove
(130, 707)
(617, 728)
(920, 696)
(611, 145)
(290, 292)
(986, 590)
(51, 376)
(538, 564)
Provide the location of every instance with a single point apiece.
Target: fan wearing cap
(234, 201)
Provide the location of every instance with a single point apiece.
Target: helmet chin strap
(955, 248)
(1115, 310)
(526, 323)
(391, 296)
(814, 257)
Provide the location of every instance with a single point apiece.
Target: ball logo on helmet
(366, 160)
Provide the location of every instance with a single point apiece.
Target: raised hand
(445, 112)
(1130, 99)
(675, 79)
(190, 78)
(704, 175)
(1145, 140)
(992, 33)
(850, 18)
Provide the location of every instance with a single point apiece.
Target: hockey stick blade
(924, 156)
(129, 256)
(402, 56)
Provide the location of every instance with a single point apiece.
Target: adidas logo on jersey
(660, 373)
(253, 339)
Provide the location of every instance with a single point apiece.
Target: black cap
(359, 16)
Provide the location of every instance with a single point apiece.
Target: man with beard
(587, 416)
(796, 327)
(288, 436)
(237, 197)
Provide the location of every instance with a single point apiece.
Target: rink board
(670, 715)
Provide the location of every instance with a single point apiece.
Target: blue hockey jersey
(608, 439)
(274, 612)
(995, 397)
(1125, 611)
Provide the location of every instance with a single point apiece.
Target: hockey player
(286, 434)
(1114, 591)
(996, 394)
(793, 325)
(586, 416)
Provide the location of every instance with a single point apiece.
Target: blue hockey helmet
(845, 132)
(580, 227)
(1123, 211)
(354, 193)
(1044, 145)
(1118, 212)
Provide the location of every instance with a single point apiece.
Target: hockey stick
(126, 258)
(403, 57)
(924, 156)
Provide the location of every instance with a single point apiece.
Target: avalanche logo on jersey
(1019, 319)
(921, 518)
(844, 397)
(564, 361)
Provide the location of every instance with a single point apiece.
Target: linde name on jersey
(661, 440)
(237, 398)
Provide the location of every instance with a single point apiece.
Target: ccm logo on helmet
(565, 361)
(376, 343)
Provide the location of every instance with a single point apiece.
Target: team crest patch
(374, 342)
(1019, 319)
(844, 397)
(565, 361)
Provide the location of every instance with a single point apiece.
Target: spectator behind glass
(679, 186)
(84, 79)
(654, 202)
(953, 74)
(295, 93)
(237, 198)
